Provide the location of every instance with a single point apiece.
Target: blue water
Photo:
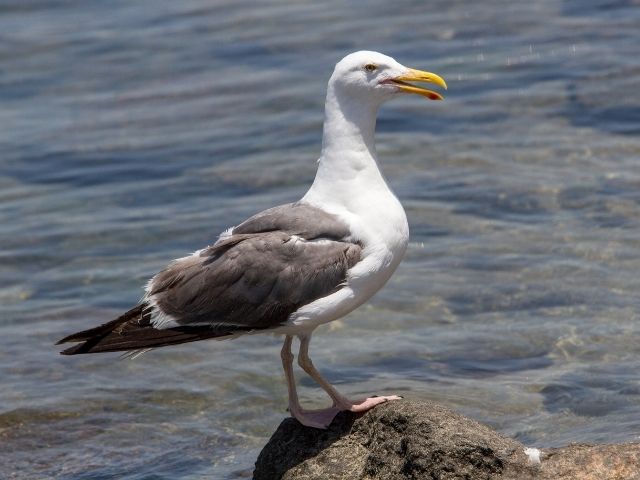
(133, 132)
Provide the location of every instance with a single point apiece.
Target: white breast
(378, 221)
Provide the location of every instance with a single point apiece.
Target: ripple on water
(138, 137)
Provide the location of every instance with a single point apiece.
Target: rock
(593, 462)
(396, 440)
(422, 440)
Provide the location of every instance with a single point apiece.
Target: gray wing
(251, 279)
(297, 219)
(254, 278)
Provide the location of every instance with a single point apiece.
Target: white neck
(349, 184)
(349, 128)
(348, 160)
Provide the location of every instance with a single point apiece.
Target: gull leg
(310, 418)
(339, 401)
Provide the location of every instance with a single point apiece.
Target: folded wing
(253, 278)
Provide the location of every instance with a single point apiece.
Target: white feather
(349, 184)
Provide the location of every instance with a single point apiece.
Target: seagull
(294, 267)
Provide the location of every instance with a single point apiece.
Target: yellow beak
(420, 76)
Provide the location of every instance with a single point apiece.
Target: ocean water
(134, 132)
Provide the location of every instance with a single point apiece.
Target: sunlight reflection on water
(134, 134)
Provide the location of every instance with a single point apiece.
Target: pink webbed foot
(322, 418)
(316, 418)
(369, 403)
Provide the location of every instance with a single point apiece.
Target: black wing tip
(76, 349)
(101, 330)
(133, 331)
(67, 339)
(82, 336)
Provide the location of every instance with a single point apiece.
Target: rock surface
(422, 440)
(396, 440)
(593, 462)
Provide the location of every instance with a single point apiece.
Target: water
(134, 132)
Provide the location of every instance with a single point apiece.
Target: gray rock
(593, 462)
(403, 440)
(396, 440)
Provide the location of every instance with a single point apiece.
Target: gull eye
(370, 67)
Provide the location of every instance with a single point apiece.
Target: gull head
(372, 76)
